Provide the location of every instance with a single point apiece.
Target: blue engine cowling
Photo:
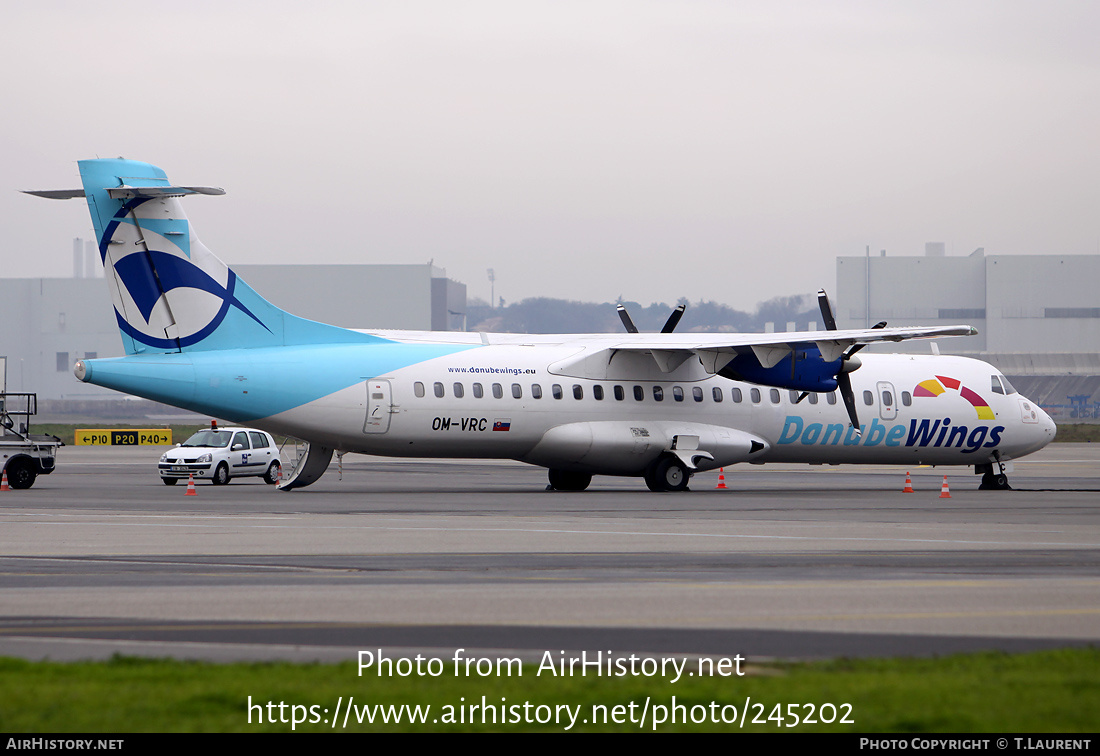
(811, 371)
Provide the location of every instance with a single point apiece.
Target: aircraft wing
(715, 350)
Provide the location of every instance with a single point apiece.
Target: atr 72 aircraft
(657, 406)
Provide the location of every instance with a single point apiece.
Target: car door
(240, 454)
(263, 450)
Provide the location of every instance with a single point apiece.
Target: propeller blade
(625, 317)
(801, 396)
(674, 319)
(826, 310)
(845, 386)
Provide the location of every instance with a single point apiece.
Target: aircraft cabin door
(888, 407)
(379, 405)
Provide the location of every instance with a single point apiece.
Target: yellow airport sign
(126, 437)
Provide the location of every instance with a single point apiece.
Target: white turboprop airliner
(658, 406)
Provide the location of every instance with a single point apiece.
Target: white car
(220, 454)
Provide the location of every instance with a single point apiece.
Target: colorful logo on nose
(935, 386)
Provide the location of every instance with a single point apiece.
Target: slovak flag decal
(502, 425)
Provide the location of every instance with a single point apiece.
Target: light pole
(492, 289)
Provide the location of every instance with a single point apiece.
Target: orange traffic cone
(721, 478)
(908, 484)
(944, 493)
(4, 481)
(191, 485)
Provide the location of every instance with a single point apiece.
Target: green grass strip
(1053, 691)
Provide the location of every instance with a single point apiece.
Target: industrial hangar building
(1038, 316)
(50, 323)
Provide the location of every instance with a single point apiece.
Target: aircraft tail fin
(170, 292)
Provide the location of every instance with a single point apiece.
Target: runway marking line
(659, 534)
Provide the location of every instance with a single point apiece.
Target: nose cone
(1035, 434)
(1050, 430)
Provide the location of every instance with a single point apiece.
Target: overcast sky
(584, 150)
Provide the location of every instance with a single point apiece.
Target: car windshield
(209, 437)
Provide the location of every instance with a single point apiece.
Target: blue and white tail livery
(655, 406)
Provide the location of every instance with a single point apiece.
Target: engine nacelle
(811, 372)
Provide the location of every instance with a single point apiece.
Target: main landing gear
(561, 480)
(667, 474)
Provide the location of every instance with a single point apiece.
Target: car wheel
(169, 481)
(272, 474)
(21, 473)
(221, 475)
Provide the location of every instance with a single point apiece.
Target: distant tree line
(545, 315)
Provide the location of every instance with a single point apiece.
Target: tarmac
(414, 556)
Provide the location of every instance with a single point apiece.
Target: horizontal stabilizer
(56, 193)
(130, 192)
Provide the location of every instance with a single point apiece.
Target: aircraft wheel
(668, 474)
(994, 482)
(652, 482)
(169, 481)
(272, 475)
(21, 473)
(561, 480)
(221, 475)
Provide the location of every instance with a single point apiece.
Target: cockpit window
(1009, 388)
(996, 385)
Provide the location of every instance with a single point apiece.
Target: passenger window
(677, 394)
(418, 389)
(498, 391)
(716, 394)
(813, 398)
(887, 399)
(555, 390)
(578, 391)
(597, 393)
(794, 396)
(868, 398)
(697, 393)
(478, 391)
(658, 393)
(831, 397)
(639, 395)
(239, 438)
(906, 398)
(619, 394)
(774, 394)
(736, 394)
(536, 391)
(754, 394)
(517, 391)
(458, 390)
(438, 388)
(259, 440)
